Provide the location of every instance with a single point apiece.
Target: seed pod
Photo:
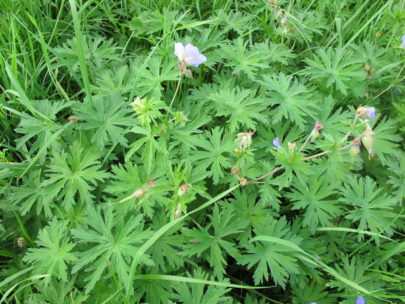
(372, 71)
(188, 74)
(379, 34)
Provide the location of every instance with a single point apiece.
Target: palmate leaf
(128, 178)
(214, 156)
(241, 107)
(385, 140)
(199, 293)
(55, 251)
(397, 176)
(32, 195)
(291, 98)
(106, 117)
(71, 177)
(335, 67)
(279, 259)
(153, 75)
(368, 207)
(315, 197)
(111, 240)
(217, 238)
(243, 60)
(36, 132)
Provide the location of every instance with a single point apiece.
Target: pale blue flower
(360, 300)
(395, 91)
(370, 112)
(188, 55)
(403, 41)
(276, 143)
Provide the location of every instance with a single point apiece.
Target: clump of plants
(202, 152)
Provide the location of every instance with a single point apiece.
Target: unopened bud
(177, 213)
(237, 150)
(280, 12)
(138, 103)
(291, 146)
(314, 134)
(72, 119)
(366, 67)
(151, 183)
(378, 34)
(235, 170)
(318, 126)
(354, 150)
(368, 139)
(283, 21)
(21, 242)
(139, 193)
(183, 188)
(244, 140)
(188, 74)
(243, 181)
(292, 29)
(372, 71)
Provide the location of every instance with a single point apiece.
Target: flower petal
(179, 50)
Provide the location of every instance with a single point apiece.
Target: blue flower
(188, 55)
(360, 300)
(276, 143)
(395, 91)
(403, 41)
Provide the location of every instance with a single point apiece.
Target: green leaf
(54, 252)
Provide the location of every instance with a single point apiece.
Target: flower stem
(177, 90)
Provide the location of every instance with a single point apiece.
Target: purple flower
(395, 91)
(188, 55)
(403, 41)
(360, 300)
(276, 143)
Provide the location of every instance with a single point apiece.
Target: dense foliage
(202, 152)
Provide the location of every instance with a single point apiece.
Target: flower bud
(314, 134)
(151, 183)
(139, 193)
(243, 181)
(368, 140)
(366, 67)
(379, 34)
(244, 139)
(138, 103)
(72, 119)
(177, 213)
(372, 71)
(283, 21)
(183, 188)
(188, 74)
(235, 170)
(291, 146)
(280, 12)
(354, 150)
(21, 242)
